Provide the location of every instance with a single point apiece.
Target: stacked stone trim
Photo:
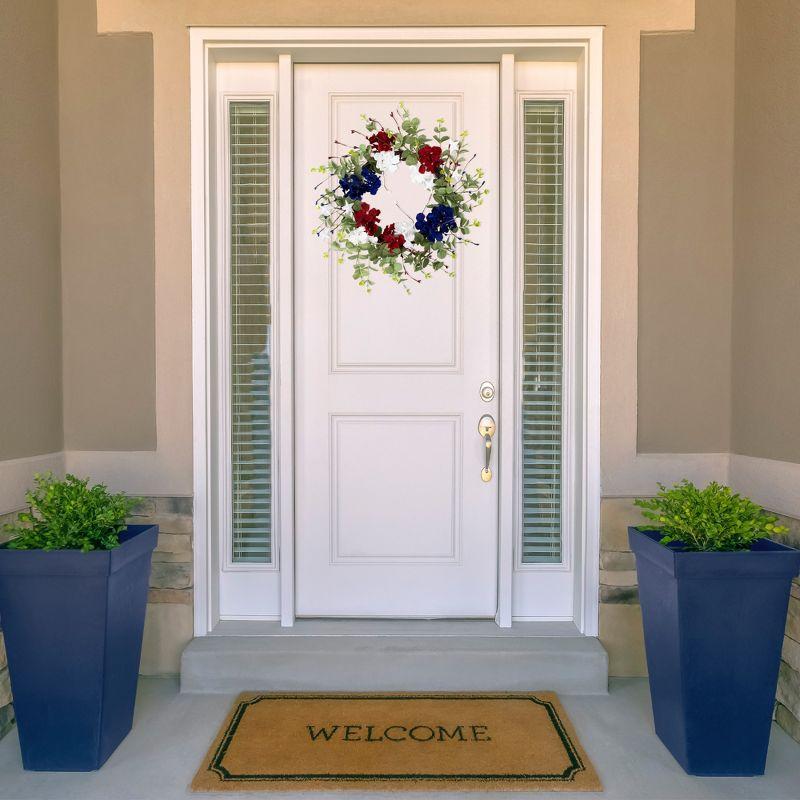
(168, 624)
(620, 613)
(787, 707)
(6, 707)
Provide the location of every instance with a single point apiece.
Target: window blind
(542, 330)
(250, 356)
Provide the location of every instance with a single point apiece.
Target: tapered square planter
(73, 625)
(713, 629)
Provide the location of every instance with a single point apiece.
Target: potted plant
(714, 591)
(73, 592)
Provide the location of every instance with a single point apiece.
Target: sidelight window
(250, 332)
(542, 329)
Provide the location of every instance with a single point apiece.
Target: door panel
(392, 518)
(427, 529)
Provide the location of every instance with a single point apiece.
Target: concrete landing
(408, 656)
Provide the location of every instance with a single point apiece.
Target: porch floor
(172, 732)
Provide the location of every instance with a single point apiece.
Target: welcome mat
(377, 742)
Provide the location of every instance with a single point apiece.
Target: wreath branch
(404, 211)
(411, 275)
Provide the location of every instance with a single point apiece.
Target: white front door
(392, 518)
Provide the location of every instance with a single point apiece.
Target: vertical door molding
(285, 328)
(204, 579)
(587, 587)
(508, 430)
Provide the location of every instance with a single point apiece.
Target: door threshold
(396, 627)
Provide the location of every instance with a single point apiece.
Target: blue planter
(713, 630)
(73, 626)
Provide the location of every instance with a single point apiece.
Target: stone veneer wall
(168, 625)
(787, 708)
(621, 615)
(6, 709)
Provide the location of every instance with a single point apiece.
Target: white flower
(404, 227)
(453, 146)
(325, 235)
(387, 161)
(425, 178)
(414, 247)
(359, 236)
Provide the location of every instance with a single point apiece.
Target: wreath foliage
(428, 241)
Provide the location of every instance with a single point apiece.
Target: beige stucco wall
(766, 307)
(686, 210)
(686, 180)
(168, 22)
(686, 235)
(30, 295)
(105, 85)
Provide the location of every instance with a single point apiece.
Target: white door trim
(509, 314)
(502, 45)
(285, 322)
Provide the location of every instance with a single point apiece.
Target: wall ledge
(773, 484)
(16, 477)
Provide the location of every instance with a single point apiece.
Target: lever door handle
(487, 428)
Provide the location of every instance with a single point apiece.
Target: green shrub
(70, 515)
(710, 519)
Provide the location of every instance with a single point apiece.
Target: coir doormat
(397, 742)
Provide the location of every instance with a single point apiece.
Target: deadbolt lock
(487, 392)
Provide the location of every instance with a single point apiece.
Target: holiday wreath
(425, 243)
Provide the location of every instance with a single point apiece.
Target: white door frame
(502, 45)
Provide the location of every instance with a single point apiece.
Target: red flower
(367, 218)
(430, 158)
(394, 241)
(381, 141)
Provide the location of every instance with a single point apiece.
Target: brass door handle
(487, 428)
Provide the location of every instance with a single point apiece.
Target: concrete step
(414, 656)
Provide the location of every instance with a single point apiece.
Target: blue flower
(356, 186)
(437, 223)
(352, 186)
(372, 181)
